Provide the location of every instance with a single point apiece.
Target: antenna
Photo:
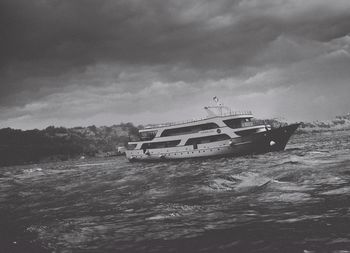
(219, 105)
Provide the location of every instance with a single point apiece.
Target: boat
(222, 132)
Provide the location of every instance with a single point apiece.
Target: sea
(296, 200)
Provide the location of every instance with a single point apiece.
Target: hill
(59, 143)
(341, 122)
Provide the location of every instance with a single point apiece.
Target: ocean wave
(242, 182)
(338, 191)
(299, 197)
(293, 197)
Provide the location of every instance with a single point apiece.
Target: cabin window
(206, 139)
(162, 144)
(188, 129)
(238, 123)
(147, 135)
(247, 122)
(246, 132)
(131, 146)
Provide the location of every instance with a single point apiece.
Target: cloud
(68, 60)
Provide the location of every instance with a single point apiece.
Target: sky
(102, 62)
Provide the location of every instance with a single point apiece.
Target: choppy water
(297, 200)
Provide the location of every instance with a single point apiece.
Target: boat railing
(229, 113)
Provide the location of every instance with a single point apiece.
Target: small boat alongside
(221, 133)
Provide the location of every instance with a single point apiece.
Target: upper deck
(210, 116)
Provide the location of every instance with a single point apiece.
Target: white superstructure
(214, 135)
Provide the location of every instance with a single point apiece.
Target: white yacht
(221, 133)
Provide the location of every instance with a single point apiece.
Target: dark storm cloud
(53, 50)
(57, 35)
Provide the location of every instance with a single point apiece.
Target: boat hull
(271, 140)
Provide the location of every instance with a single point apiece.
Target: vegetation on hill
(338, 123)
(59, 143)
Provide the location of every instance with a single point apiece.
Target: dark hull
(272, 140)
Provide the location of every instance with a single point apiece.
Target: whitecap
(344, 190)
(242, 182)
(31, 170)
(163, 216)
(249, 181)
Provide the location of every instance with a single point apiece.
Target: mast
(218, 107)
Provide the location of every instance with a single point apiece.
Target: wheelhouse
(239, 122)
